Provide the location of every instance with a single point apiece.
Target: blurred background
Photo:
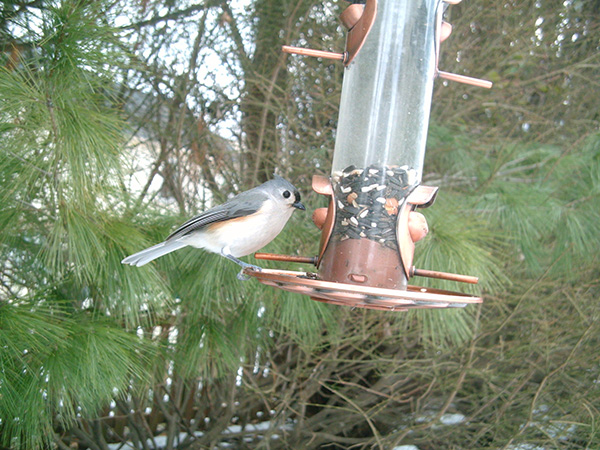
(120, 119)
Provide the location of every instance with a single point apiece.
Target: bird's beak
(299, 205)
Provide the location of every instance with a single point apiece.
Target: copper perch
(443, 275)
(289, 258)
(316, 53)
(413, 273)
(464, 79)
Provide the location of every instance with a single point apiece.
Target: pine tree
(68, 310)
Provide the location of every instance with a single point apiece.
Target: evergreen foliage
(68, 310)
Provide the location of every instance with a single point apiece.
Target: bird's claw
(244, 277)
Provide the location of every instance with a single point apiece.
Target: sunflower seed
(368, 188)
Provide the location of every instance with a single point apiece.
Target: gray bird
(238, 227)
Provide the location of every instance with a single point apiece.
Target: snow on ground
(161, 441)
(559, 431)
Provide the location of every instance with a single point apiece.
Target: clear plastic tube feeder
(380, 143)
(369, 229)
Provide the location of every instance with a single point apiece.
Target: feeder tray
(357, 296)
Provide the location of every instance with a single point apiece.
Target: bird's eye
(286, 194)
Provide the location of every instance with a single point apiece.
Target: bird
(242, 225)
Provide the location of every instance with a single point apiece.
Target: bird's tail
(145, 256)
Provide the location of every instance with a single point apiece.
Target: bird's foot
(243, 276)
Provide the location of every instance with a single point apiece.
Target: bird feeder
(371, 224)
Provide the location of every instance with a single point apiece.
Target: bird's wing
(244, 204)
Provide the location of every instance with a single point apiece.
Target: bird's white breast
(243, 235)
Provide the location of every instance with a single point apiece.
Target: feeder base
(357, 296)
(363, 262)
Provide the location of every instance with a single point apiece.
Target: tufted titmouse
(238, 227)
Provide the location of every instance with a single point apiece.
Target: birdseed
(368, 202)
